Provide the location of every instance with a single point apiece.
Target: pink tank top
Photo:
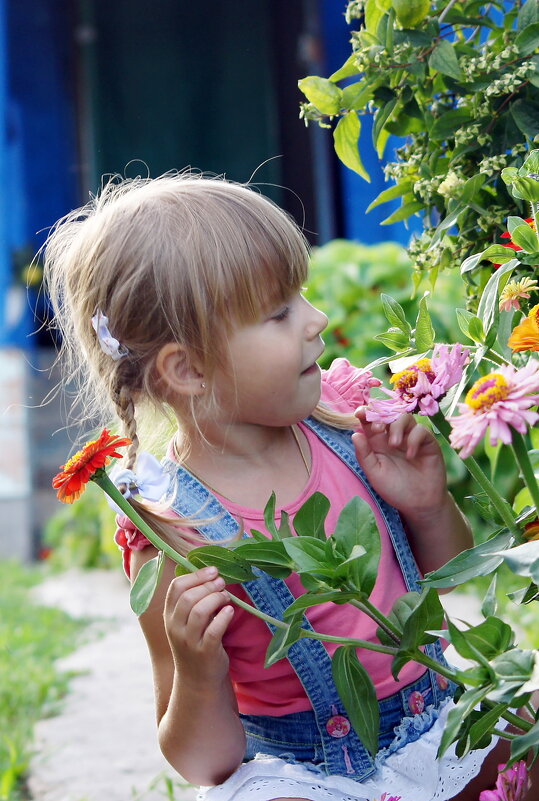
(277, 690)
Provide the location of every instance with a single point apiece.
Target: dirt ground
(103, 745)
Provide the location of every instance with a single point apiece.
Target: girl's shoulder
(345, 387)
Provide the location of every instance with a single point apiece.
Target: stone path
(103, 745)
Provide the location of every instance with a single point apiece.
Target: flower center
(486, 391)
(76, 458)
(406, 379)
(533, 314)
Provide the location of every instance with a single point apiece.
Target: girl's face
(272, 377)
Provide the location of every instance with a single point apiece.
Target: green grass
(32, 638)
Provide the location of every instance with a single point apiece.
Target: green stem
(101, 478)
(488, 488)
(371, 646)
(443, 670)
(520, 450)
(390, 629)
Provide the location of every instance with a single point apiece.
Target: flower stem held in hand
(101, 478)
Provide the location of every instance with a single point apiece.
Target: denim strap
(309, 658)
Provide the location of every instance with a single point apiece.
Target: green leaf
(346, 140)
(374, 11)
(356, 96)
(405, 211)
(395, 313)
(444, 59)
(383, 114)
(490, 604)
(322, 93)
(525, 237)
(281, 641)
(424, 330)
(484, 725)
(448, 123)
(146, 584)
(526, 115)
(284, 525)
(523, 560)
(348, 69)
(356, 525)
(269, 556)
(308, 553)
(514, 222)
(358, 695)
(410, 13)
(524, 743)
(391, 193)
(464, 706)
(527, 40)
(477, 561)
(315, 598)
(400, 612)
(230, 565)
(488, 309)
(472, 187)
(269, 518)
(528, 14)
(310, 518)
(394, 340)
(470, 325)
(488, 639)
(427, 614)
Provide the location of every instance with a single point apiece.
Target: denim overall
(323, 736)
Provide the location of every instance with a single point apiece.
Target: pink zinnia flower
(512, 784)
(418, 388)
(499, 401)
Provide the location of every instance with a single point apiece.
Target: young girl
(182, 295)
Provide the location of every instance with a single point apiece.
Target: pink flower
(512, 784)
(499, 400)
(418, 388)
(386, 797)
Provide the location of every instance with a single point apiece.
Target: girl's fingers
(217, 627)
(418, 436)
(185, 591)
(366, 457)
(203, 614)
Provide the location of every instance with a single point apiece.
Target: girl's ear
(177, 373)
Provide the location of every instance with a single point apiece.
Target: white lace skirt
(411, 773)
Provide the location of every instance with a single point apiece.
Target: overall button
(416, 702)
(441, 681)
(338, 726)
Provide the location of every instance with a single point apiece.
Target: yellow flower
(514, 290)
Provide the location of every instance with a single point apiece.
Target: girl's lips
(312, 369)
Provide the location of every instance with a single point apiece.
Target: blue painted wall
(38, 154)
(356, 193)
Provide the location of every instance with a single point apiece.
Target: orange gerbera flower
(525, 335)
(76, 473)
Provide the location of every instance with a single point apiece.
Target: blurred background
(89, 87)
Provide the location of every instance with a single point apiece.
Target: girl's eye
(282, 315)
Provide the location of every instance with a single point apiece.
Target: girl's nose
(317, 322)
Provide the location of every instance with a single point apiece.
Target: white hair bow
(108, 344)
(149, 481)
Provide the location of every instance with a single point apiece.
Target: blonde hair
(180, 258)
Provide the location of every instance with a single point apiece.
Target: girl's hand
(403, 463)
(197, 614)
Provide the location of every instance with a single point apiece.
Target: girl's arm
(404, 464)
(200, 732)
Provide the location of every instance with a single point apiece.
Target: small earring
(203, 385)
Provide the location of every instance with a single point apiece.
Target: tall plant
(460, 82)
